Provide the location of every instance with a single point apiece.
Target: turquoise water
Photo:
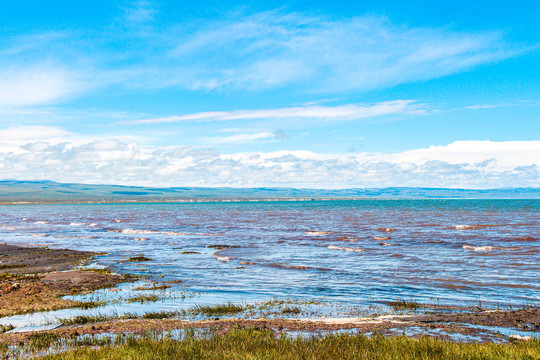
(353, 252)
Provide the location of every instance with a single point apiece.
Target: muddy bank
(440, 326)
(34, 279)
(523, 319)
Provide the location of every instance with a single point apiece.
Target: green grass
(220, 309)
(5, 328)
(404, 305)
(291, 310)
(40, 341)
(256, 344)
(161, 314)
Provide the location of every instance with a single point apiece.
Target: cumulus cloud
(462, 164)
(314, 112)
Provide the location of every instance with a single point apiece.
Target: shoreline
(241, 200)
(34, 279)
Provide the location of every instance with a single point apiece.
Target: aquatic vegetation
(219, 309)
(161, 314)
(139, 258)
(85, 305)
(190, 252)
(153, 287)
(42, 340)
(86, 319)
(291, 311)
(249, 343)
(142, 299)
(404, 304)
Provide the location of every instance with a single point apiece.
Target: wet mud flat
(34, 279)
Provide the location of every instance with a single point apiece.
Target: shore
(34, 279)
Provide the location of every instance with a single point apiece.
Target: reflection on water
(350, 252)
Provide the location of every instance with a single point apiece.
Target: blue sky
(313, 94)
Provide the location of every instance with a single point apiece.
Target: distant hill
(50, 191)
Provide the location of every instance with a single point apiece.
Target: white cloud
(463, 164)
(276, 49)
(37, 85)
(269, 50)
(240, 138)
(317, 112)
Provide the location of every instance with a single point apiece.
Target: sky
(312, 94)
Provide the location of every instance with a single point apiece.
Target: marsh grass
(89, 304)
(250, 343)
(40, 341)
(291, 310)
(5, 328)
(143, 299)
(152, 288)
(162, 314)
(219, 309)
(405, 305)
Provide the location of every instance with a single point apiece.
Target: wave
(472, 227)
(11, 228)
(222, 258)
(381, 238)
(349, 249)
(284, 266)
(346, 238)
(479, 248)
(317, 233)
(75, 224)
(134, 231)
(386, 229)
(41, 222)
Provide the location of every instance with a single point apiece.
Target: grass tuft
(219, 309)
(142, 299)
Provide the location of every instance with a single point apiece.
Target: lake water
(346, 251)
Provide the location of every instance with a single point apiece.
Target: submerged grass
(139, 258)
(257, 344)
(142, 299)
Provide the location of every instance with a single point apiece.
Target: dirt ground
(34, 279)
